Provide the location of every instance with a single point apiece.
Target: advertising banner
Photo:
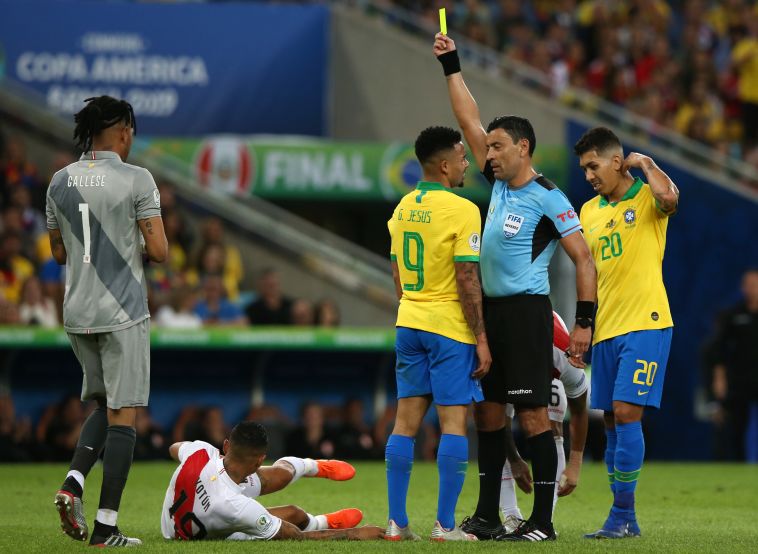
(301, 168)
(187, 70)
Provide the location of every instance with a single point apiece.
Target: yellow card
(443, 21)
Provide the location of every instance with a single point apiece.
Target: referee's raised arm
(464, 106)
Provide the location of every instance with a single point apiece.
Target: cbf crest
(512, 225)
(630, 216)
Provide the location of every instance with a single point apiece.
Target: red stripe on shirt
(560, 334)
(567, 231)
(185, 482)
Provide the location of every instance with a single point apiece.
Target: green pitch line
(681, 508)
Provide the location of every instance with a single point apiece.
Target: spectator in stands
(213, 430)
(182, 236)
(271, 306)
(212, 261)
(745, 59)
(213, 307)
(14, 268)
(701, 116)
(354, 438)
(732, 360)
(303, 314)
(327, 313)
(179, 312)
(311, 439)
(13, 224)
(58, 428)
(233, 272)
(15, 435)
(32, 221)
(277, 427)
(151, 442)
(9, 314)
(17, 169)
(35, 308)
(163, 279)
(204, 424)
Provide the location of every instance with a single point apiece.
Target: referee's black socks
(544, 468)
(491, 457)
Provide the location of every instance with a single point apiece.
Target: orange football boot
(336, 470)
(344, 519)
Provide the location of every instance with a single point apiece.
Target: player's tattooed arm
(470, 296)
(56, 246)
(663, 188)
(156, 244)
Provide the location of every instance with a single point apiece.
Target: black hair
(100, 113)
(517, 128)
(249, 435)
(599, 139)
(434, 140)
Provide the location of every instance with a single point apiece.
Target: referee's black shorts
(520, 335)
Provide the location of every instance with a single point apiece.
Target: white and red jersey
(202, 501)
(568, 381)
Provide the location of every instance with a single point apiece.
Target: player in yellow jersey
(625, 227)
(441, 346)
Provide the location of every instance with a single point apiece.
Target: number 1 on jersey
(84, 208)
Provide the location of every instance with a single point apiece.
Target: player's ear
(444, 166)
(225, 447)
(617, 162)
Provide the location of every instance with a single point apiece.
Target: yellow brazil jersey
(627, 240)
(431, 228)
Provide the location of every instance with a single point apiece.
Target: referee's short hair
(600, 139)
(433, 140)
(249, 435)
(517, 128)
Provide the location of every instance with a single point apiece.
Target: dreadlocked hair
(100, 113)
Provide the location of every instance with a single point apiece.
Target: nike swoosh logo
(641, 393)
(89, 448)
(593, 229)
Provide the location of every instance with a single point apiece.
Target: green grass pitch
(681, 508)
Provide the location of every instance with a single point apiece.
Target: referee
(528, 215)
(99, 210)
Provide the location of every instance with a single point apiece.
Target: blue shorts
(428, 363)
(630, 368)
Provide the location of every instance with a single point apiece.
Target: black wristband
(585, 309)
(450, 62)
(585, 313)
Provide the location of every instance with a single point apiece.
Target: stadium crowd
(202, 283)
(320, 431)
(690, 66)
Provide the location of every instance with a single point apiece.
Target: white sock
(316, 523)
(78, 476)
(311, 467)
(107, 517)
(302, 466)
(561, 467)
(508, 502)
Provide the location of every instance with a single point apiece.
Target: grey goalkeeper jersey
(96, 203)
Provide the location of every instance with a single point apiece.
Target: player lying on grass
(212, 495)
(569, 387)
